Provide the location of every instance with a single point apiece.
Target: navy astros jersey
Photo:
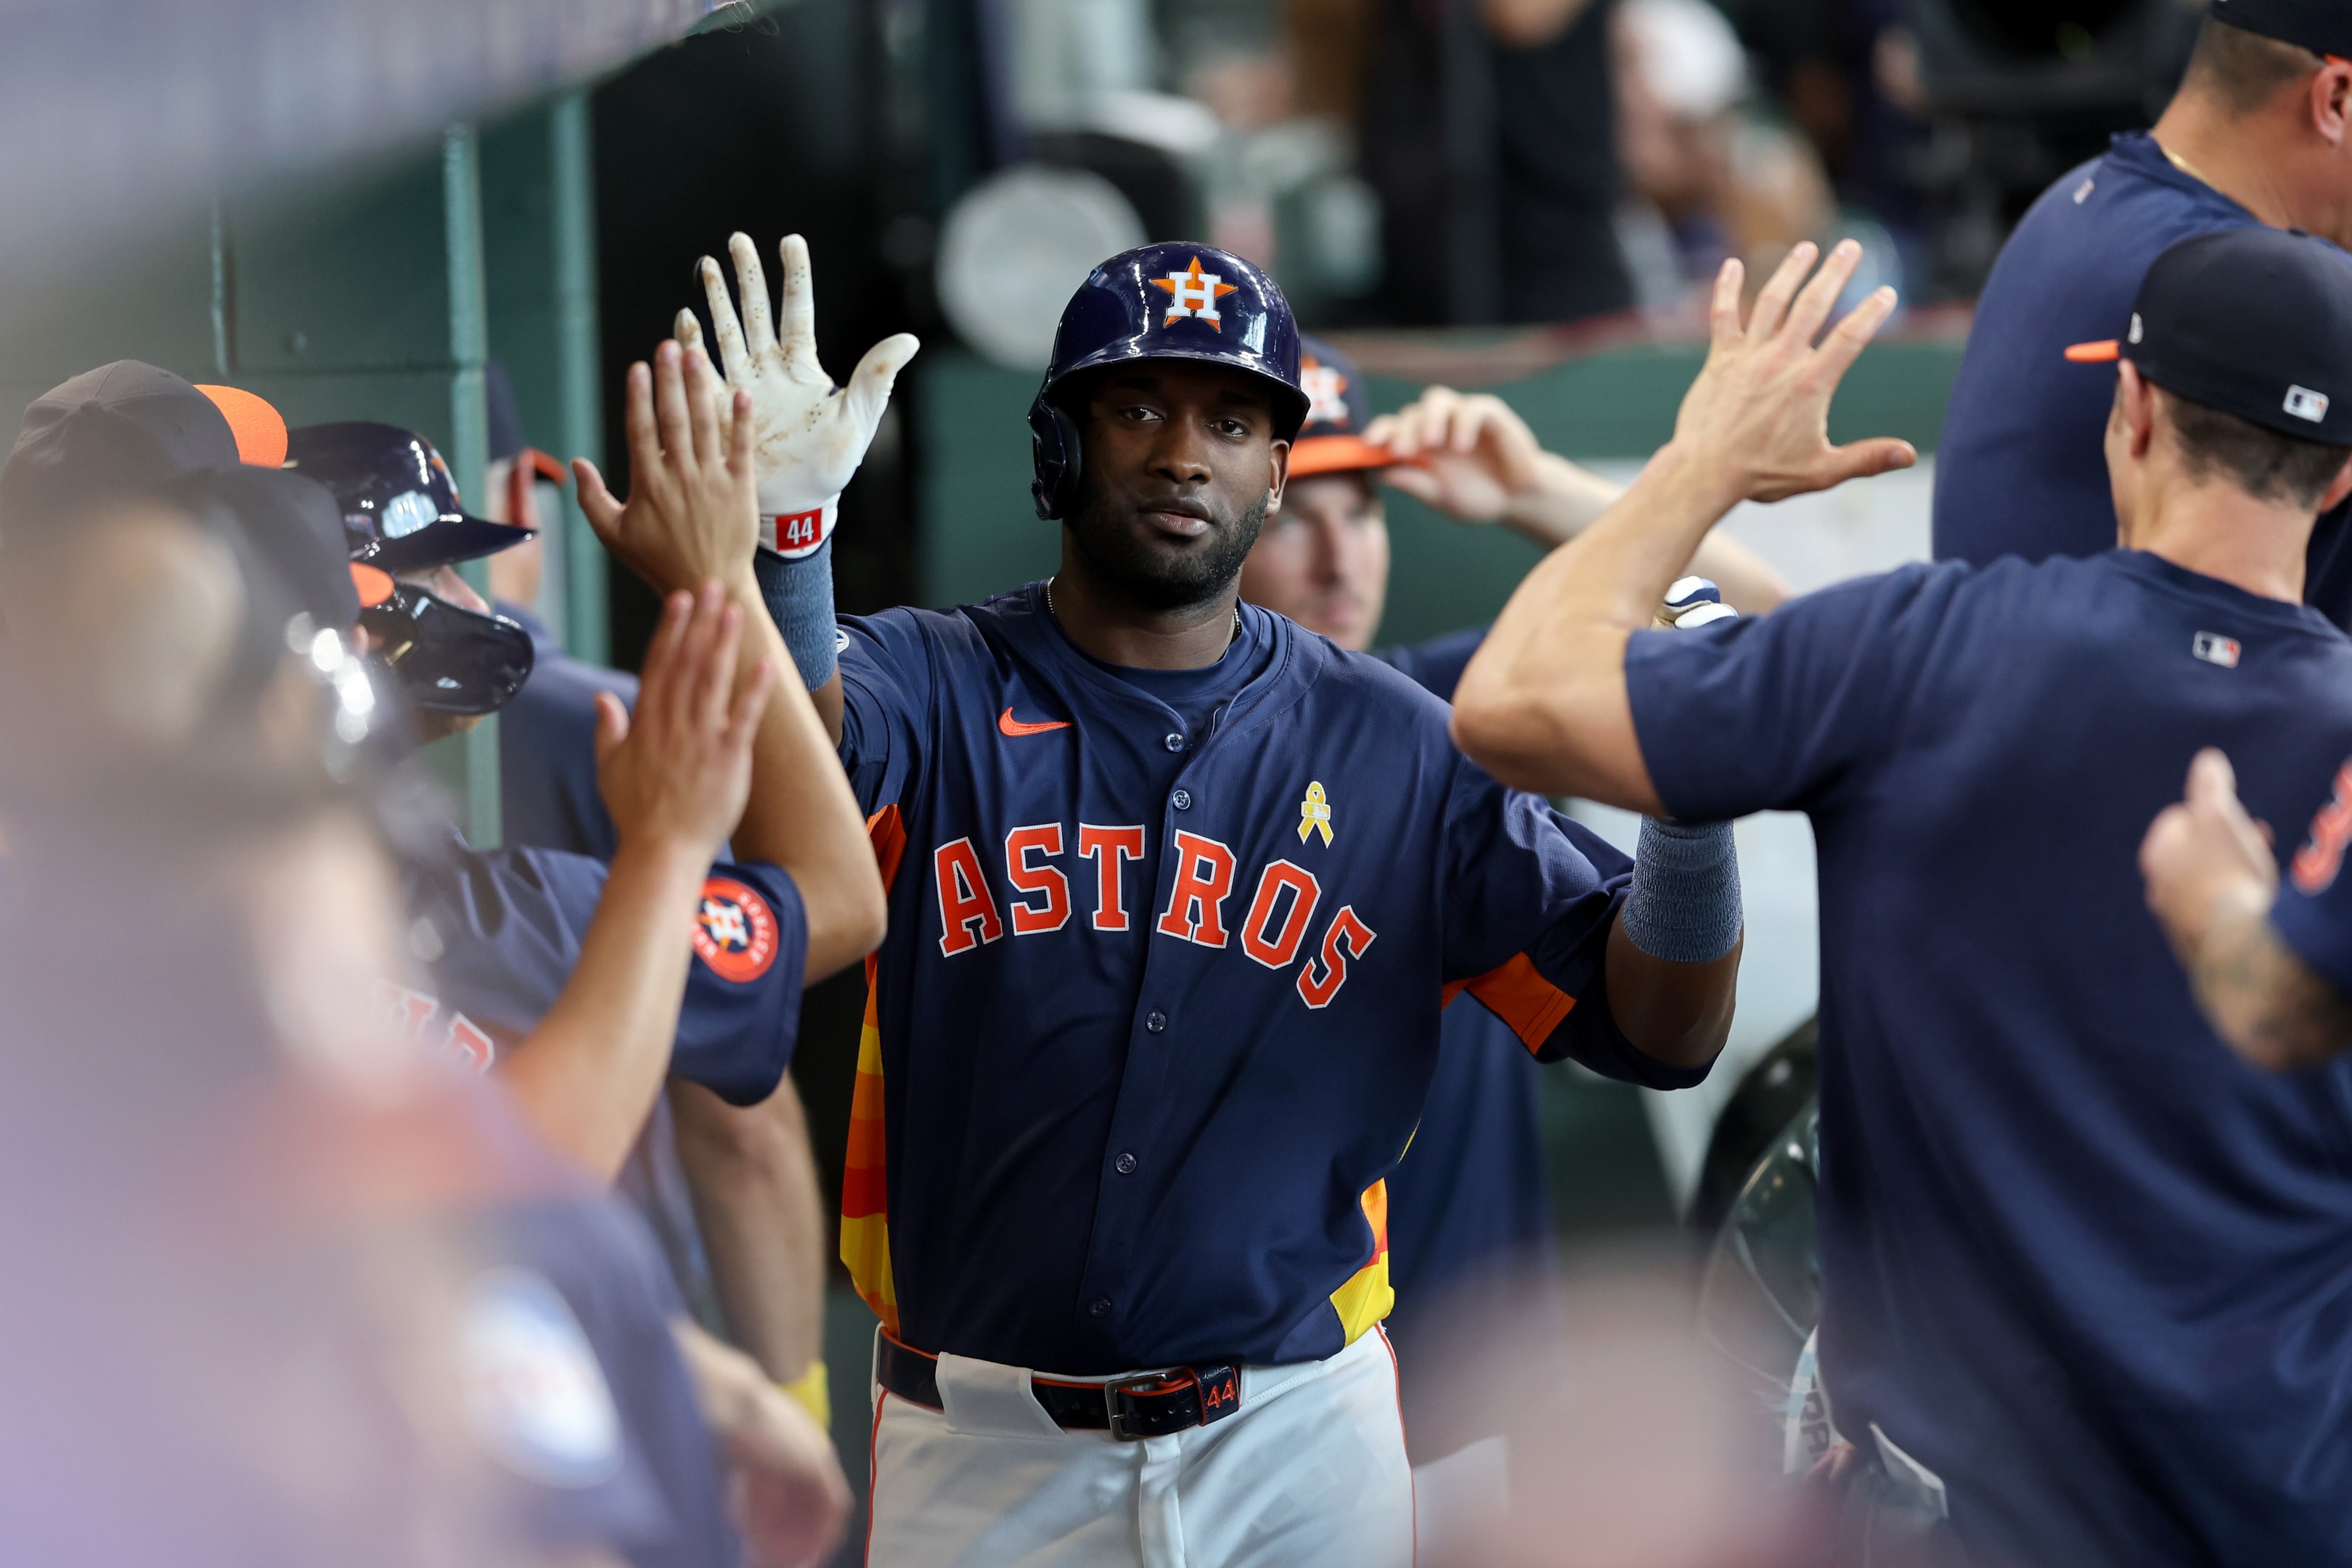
(547, 748)
(2020, 468)
(500, 933)
(1471, 1201)
(1160, 999)
(2076, 1258)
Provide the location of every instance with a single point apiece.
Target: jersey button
(1098, 1308)
(1124, 1165)
(1155, 1023)
(1181, 800)
(1175, 743)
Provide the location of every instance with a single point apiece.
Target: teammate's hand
(1466, 454)
(677, 775)
(691, 515)
(1756, 422)
(809, 434)
(787, 1493)
(2204, 852)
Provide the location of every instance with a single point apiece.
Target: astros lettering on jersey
(1157, 1010)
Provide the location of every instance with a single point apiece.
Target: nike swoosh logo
(1017, 728)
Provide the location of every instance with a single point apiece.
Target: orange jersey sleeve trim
(1519, 996)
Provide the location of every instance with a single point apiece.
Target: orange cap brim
(260, 429)
(551, 470)
(373, 582)
(1335, 455)
(2103, 352)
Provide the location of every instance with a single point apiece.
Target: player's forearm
(801, 814)
(2258, 996)
(1567, 499)
(1543, 704)
(588, 1075)
(1678, 1012)
(756, 1202)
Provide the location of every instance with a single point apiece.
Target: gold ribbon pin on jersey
(1314, 815)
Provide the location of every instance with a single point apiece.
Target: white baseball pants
(1310, 1472)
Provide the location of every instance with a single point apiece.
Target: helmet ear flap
(1053, 450)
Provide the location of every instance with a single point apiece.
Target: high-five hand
(1757, 420)
(691, 516)
(809, 434)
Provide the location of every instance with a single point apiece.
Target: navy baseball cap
(400, 505)
(124, 427)
(1338, 409)
(2252, 321)
(2323, 26)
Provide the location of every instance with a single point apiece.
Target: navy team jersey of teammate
(547, 748)
(505, 932)
(2020, 466)
(1158, 1003)
(2076, 1258)
(1470, 1200)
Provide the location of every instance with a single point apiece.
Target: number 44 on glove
(810, 434)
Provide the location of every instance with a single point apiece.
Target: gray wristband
(1685, 902)
(799, 596)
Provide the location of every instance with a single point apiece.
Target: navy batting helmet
(400, 505)
(1163, 301)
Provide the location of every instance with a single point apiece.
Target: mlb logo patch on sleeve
(2215, 648)
(535, 1396)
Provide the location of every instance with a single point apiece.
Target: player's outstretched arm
(1470, 456)
(674, 777)
(1543, 704)
(692, 516)
(2211, 881)
(809, 437)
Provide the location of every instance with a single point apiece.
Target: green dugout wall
(379, 296)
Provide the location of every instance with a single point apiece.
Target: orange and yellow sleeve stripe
(865, 1187)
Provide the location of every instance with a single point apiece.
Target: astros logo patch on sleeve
(734, 932)
(1195, 293)
(535, 1396)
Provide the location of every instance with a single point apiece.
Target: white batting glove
(812, 434)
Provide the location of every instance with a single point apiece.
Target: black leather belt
(1128, 1409)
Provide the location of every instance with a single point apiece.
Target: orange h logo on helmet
(1194, 293)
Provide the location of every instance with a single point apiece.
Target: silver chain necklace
(1237, 613)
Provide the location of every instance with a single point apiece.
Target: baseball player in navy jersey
(504, 928)
(355, 1242)
(731, 1190)
(2081, 1268)
(2255, 135)
(1177, 892)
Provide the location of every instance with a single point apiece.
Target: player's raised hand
(1466, 454)
(692, 514)
(809, 436)
(2202, 851)
(677, 772)
(1757, 420)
